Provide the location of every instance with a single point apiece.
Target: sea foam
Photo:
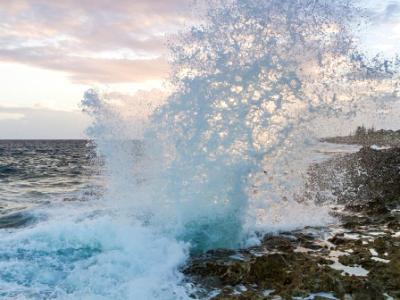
(219, 164)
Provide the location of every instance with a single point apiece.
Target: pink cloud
(66, 35)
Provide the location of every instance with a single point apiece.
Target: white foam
(376, 147)
(373, 252)
(346, 270)
(266, 293)
(323, 295)
(91, 258)
(224, 158)
(352, 271)
(385, 261)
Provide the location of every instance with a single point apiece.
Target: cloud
(103, 41)
(6, 116)
(385, 12)
(392, 12)
(30, 123)
(70, 35)
(90, 70)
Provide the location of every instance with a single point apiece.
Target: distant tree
(361, 131)
(371, 130)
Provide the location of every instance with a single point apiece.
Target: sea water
(219, 162)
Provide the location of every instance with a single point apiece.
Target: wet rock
(299, 263)
(278, 243)
(368, 293)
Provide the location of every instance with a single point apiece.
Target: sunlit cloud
(4, 116)
(26, 86)
(52, 51)
(94, 41)
(41, 123)
(111, 41)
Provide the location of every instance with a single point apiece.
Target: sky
(51, 52)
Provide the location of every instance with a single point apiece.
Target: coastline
(357, 259)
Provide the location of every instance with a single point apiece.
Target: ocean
(222, 161)
(60, 241)
(62, 237)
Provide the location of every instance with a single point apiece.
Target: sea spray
(81, 254)
(220, 162)
(227, 150)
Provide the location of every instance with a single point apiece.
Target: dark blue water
(40, 172)
(62, 236)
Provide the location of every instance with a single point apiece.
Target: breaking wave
(215, 162)
(224, 157)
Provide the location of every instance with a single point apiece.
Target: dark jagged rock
(300, 263)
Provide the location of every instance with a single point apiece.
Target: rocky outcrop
(359, 259)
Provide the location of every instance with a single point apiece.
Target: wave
(221, 159)
(225, 156)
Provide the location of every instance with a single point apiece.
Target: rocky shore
(358, 259)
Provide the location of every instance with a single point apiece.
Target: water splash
(249, 82)
(225, 155)
(222, 160)
(81, 255)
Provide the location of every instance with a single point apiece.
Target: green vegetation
(368, 137)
